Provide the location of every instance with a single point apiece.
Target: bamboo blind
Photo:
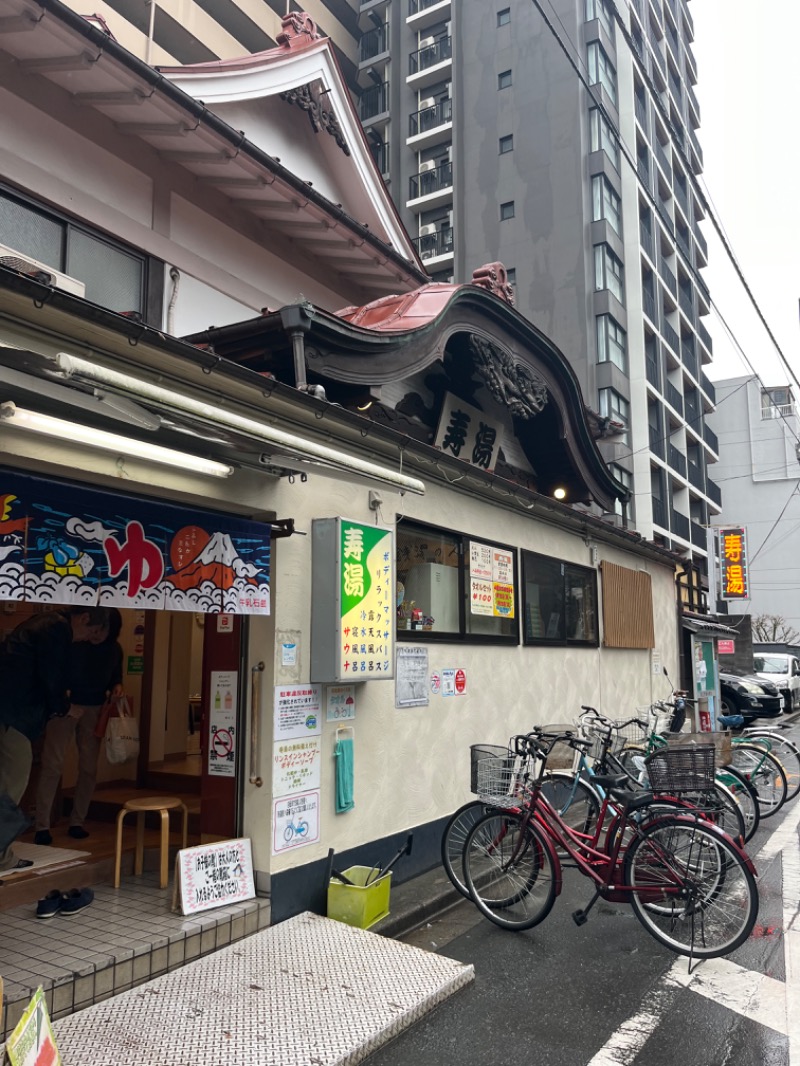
(627, 607)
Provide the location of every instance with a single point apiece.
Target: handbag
(122, 733)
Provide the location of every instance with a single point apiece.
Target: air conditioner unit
(32, 268)
(430, 164)
(426, 42)
(428, 102)
(428, 231)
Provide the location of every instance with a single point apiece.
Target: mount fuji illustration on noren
(219, 563)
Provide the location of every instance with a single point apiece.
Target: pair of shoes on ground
(45, 837)
(66, 903)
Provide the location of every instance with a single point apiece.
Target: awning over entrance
(61, 542)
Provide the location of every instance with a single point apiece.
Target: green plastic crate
(359, 904)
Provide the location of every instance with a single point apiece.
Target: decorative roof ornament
(494, 278)
(297, 30)
(320, 117)
(513, 385)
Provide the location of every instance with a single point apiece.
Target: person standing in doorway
(95, 676)
(34, 682)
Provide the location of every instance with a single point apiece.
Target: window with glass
(603, 137)
(559, 601)
(617, 408)
(507, 144)
(511, 275)
(606, 204)
(612, 344)
(113, 276)
(504, 80)
(455, 587)
(609, 272)
(506, 210)
(601, 70)
(624, 477)
(598, 9)
(504, 16)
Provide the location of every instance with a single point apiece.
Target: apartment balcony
(667, 276)
(699, 535)
(711, 439)
(643, 170)
(431, 187)
(374, 102)
(423, 13)
(663, 159)
(374, 43)
(652, 371)
(663, 214)
(676, 459)
(691, 412)
(438, 245)
(696, 478)
(689, 357)
(702, 243)
(671, 337)
(696, 145)
(650, 306)
(646, 239)
(640, 107)
(708, 388)
(659, 512)
(658, 55)
(431, 125)
(380, 153)
(431, 63)
(679, 524)
(686, 303)
(705, 338)
(778, 410)
(657, 446)
(682, 197)
(674, 398)
(714, 492)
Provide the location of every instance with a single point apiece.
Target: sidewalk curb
(417, 901)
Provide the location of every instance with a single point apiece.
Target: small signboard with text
(733, 563)
(468, 434)
(33, 1042)
(214, 875)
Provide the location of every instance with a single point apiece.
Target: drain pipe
(296, 320)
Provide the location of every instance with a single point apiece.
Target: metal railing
(778, 410)
(657, 441)
(675, 398)
(679, 523)
(373, 101)
(373, 42)
(668, 275)
(415, 6)
(650, 306)
(676, 459)
(430, 55)
(431, 180)
(663, 158)
(659, 512)
(714, 492)
(380, 153)
(705, 336)
(430, 117)
(708, 387)
(711, 439)
(432, 244)
(686, 302)
(671, 337)
(640, 107)
(689, 357)
(695, 475)
(699, 535)
(653, 371)
(646, 238)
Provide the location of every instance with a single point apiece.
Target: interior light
(12, 415)
(560, 493)
(282, 442)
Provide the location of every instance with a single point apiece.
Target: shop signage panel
(353, 616)
(297, 711)
(491, 580)
(295, 821)
(468, 434)
(222, 723)
(213, 875)
(733, 563)
(296, 765)
(65, 543)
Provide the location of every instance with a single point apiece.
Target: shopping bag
(122, 733)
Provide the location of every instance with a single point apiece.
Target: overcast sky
(749, 88)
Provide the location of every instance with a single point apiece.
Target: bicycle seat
(611, 781)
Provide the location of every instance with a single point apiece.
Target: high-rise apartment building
(496, 148)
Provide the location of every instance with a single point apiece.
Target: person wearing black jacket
(34, 680)
(95, 675)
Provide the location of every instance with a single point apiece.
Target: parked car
(784, 671)
(745, 696)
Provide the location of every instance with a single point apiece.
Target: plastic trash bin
(359, 904)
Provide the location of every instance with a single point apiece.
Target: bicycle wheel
(786, 752)
(574, 799)
(764, 773)
(454, 838)
(511, 870)
(745, 795)
(721, 806)
(690, 888)
(631, 761)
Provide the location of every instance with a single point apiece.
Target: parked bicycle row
(654, 818)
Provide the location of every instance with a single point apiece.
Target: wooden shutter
(627, 607)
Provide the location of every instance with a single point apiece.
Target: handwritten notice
(341, 703)
(214, 875)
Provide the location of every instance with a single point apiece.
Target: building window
(611, 343)
(504, 80)
(617, 408)
(507, 144)
(504, 16)
(506, 210)
(606, 204)
(603, 137)
(598, 9)
(450, 583)
(511, 275)
(609, 272)
(559, 601)
(114, 276)
(624, 477)
(601, 70)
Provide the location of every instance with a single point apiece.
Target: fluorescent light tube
(12, 415)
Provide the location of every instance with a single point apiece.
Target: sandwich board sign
(213, 875)
(33, 1043)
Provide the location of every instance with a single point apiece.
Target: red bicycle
(690, 884)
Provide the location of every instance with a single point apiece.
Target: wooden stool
(163, 804)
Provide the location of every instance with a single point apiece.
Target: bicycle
(293, 829)
(689, 884)
(785, 751)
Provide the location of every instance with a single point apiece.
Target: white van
(782, 670)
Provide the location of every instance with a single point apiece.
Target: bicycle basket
(499, 780)
(596, 733)
(685, 769)
(477, 752)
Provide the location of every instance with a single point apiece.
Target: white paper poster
(296, 765)
(448, 682)
(411, 684)
(340, 703)
(503, 567)
(295, 821)
(222, 723)
(480, 561)
(297, 711)
(213, 875)
(481, 597)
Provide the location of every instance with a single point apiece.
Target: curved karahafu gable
(406, 360)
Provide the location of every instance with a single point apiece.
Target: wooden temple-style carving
(494, 278)
(320, 117)
(297, 29)
(512, 384)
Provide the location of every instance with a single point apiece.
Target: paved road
(607, 994)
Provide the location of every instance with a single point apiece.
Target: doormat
(41, 856)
